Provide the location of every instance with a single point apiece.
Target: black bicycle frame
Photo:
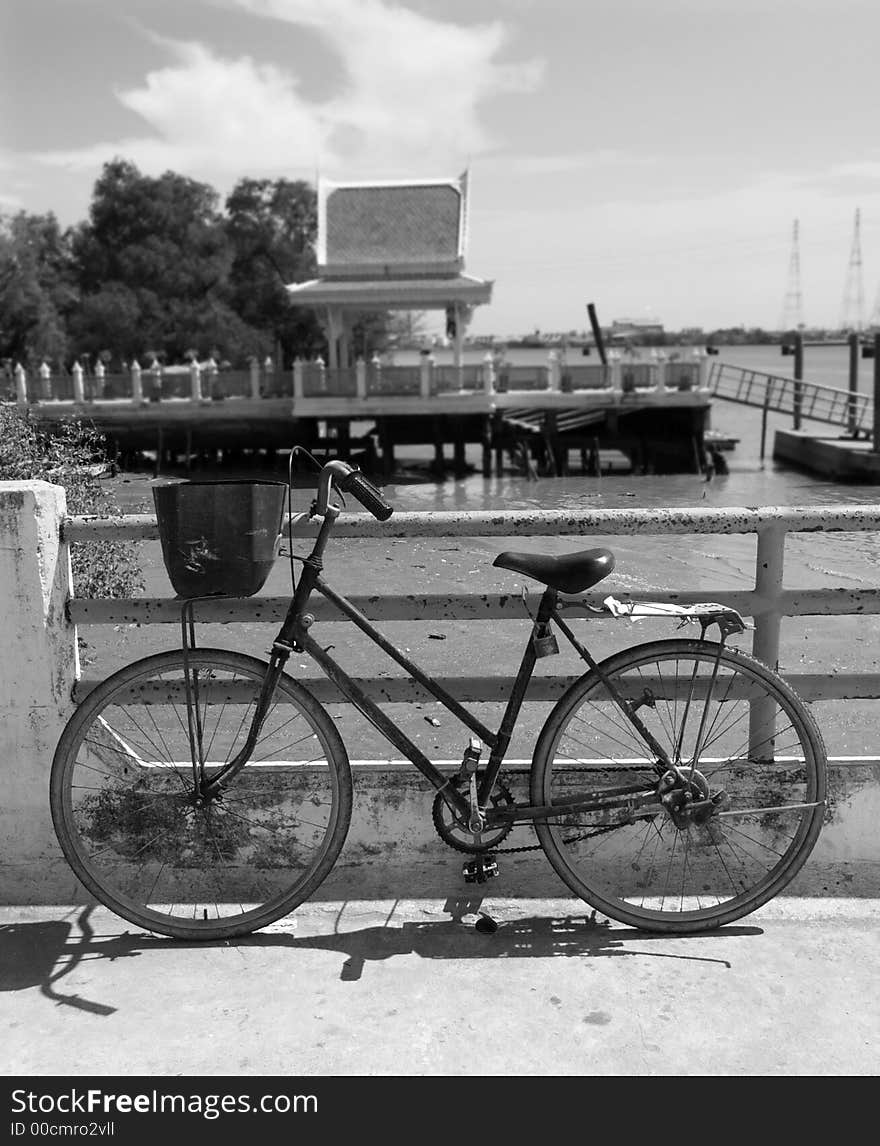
(294, 636)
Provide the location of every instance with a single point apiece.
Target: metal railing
(792, 396)
(767, 602)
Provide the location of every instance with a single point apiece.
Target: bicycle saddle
(570, 573)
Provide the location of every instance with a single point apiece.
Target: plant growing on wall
(73, 457)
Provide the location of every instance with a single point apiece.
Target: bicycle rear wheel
(752, 755)
(122, 797)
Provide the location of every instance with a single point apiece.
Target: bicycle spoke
(159, 853)
(675, 870)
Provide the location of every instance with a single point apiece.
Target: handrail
(793, 396)
(768, 602)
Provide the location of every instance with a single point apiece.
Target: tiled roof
(393, 225)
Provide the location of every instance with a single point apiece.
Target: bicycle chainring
(455, 832)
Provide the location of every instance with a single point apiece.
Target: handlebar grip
(368, 496)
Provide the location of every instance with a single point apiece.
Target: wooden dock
(524, 413)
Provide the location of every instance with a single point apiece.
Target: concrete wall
(38, 668)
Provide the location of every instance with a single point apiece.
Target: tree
(154, 262)
(37, 287)
(272, 226)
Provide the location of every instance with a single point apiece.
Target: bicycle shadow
(525, 937)
(41, 954)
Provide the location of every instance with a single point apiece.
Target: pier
(656, 414)
(851, 454)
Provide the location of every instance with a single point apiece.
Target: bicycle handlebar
(350, 480)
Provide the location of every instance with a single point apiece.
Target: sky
(649, 157)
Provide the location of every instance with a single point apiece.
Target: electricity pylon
(853, 313)
(793, 306)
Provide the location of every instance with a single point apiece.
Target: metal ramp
(851, 410)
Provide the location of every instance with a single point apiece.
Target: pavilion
(391, 246)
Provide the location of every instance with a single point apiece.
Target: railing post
(211, 375)
(554, 374)
(195, 381)
(360, 378)
(45, 380)
(297, 379)
(21, 397)
(657, 370)
(78, 393)
(137, 386)
(489, 373)
(322, 374)
(699, 357)
(614, 370)
(376, 363)
(424, 376)
(769, 571)
(35, 698)
(156, 375)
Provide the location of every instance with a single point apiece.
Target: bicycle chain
(569, 840)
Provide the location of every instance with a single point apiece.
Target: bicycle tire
(121, 797)
(641, 869)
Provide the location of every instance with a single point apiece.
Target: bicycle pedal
(479, 870)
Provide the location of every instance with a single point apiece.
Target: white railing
(767, 602)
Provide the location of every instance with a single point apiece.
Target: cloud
(411, 98)
(414, 83)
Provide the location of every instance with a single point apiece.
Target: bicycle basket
(219, 537)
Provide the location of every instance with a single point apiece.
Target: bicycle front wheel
(127, 816)
(749, 756)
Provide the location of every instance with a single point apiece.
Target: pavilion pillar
(457, 341)
(334, 333)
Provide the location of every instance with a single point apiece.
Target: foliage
(70, 458)
(159, 267)
(153, 264)
(272, 227)
(37, 287)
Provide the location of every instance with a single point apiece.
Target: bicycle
(676, 786)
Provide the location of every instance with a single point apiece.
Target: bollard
(35, 698)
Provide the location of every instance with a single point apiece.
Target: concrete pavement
(386, 986)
